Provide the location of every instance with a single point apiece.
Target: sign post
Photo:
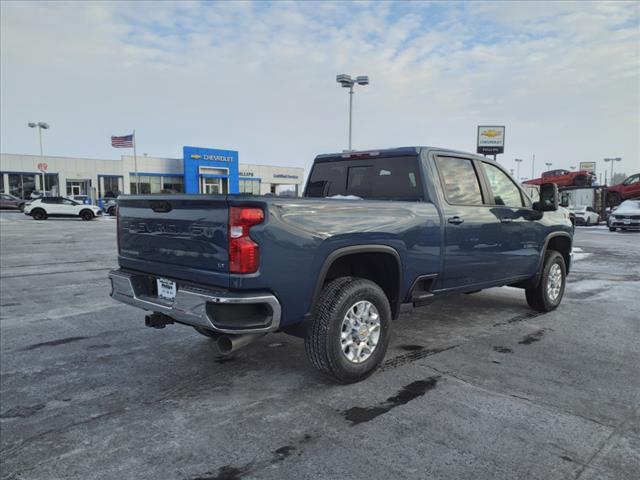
(43, 168)
(490, 140)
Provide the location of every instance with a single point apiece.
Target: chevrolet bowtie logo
(196, 156)
(491, 133)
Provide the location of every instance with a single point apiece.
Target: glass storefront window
(145, 185)
(22, 185)
(172, 185)
(1, 182)
(51, 183)
(155, 184)
(250, 186)
(111, 188)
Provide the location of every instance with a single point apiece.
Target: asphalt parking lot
(474, 386)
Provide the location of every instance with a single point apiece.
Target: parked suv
(43, 208)
(406, 225)
(9, 201)
(564, 178)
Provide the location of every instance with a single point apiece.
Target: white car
(43, 208)
(585, 215)
(626, 216)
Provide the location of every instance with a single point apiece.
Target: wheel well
(381, 268)
(562, 245)
(38, 209)
(86, 210)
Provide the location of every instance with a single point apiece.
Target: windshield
(373, 178)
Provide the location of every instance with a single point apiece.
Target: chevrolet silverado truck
(376, 233)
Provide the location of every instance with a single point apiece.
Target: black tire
(207, 333)
(112, 211)
(323, 337)
(39, 214)
(612, 229)
(538, 298)
(86, 215)
(21, 207)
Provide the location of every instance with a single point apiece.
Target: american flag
(122, 142)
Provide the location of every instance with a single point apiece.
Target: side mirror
(549, 198)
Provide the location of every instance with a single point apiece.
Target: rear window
(377, 178)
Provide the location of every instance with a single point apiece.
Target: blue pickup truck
(375, 233)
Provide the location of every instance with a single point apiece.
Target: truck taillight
(244, 253)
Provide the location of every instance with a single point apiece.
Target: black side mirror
(549, 198)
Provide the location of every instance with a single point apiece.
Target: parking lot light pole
(518, 162)
(40, 126)
(548, 164)
(347, 82)
(612, 160)
(533, 166)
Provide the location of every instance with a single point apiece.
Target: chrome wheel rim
(554, 283)
(360, 331)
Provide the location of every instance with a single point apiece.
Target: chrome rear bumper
(190, 304)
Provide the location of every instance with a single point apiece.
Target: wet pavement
(473, 386)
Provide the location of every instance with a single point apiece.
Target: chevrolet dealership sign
(490, 139)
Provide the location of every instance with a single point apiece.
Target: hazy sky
(260, 78)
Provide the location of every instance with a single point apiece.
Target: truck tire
(548, 294)
(349, 332)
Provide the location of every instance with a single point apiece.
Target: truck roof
(389, 152)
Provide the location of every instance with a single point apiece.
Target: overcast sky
(260, 78)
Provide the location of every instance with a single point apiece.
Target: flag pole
(135, 164)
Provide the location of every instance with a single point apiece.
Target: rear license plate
(166, 289)
(627, 221)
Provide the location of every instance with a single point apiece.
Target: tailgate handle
(160, 206)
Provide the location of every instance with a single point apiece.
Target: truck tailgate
(180, 236)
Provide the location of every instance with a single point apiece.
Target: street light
(347, 82)
(41, 126)
(518, 162)
(617, 159)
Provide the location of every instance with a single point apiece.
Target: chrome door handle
(506, 220)
(455, 220)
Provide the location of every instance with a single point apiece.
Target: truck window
(372, 178)
(504, 190)
(461, 186)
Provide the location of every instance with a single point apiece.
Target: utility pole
(533, 166)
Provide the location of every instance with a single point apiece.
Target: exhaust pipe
(230, 343)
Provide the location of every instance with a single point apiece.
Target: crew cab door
(517, 229)
(471, 243)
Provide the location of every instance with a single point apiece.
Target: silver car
(626, 216)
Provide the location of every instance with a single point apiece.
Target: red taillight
(244, 253)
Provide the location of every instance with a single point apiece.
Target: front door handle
(506, 220)
(455, 220)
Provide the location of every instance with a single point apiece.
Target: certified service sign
(491, 139)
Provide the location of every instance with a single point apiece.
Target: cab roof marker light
(360, 154)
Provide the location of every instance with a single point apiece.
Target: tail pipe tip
(230, 343)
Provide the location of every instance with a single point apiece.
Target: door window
(460, 181)
(505, 192)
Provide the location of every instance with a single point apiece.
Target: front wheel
(349, 332)
(548, 294)
(612, 229)
(39, 214)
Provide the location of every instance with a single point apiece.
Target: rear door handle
(506, 220)
(455, 220)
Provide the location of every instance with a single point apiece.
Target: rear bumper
(221, 311)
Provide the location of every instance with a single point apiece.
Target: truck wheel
(39, 214)
(548, 294)
(350, 328)
(206, 333)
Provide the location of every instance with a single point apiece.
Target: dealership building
(200, 170)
